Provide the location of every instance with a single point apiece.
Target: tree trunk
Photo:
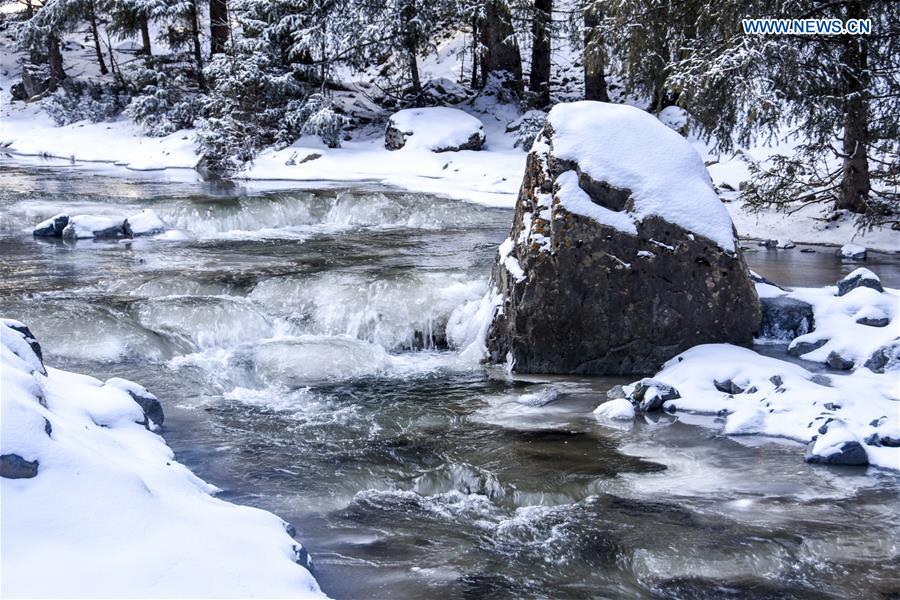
(55, 61)
(198, 50)
(594, 78)
(29, 10)
(539, 79)
(411, 45)
(146, 50)
(475, 56)
(501, 50)
(855, 185)
(92, 18)
(218, 25)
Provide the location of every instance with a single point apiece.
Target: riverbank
(134, 521)
(490, 177)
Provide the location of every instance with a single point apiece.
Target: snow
(575, 200)
(26, 129)
(853, 251)
(435, 128)
(619, 409)
(783, 399)
(110, 513)
(510, 262)
(146, 222)
(86, 226)
(630, 149)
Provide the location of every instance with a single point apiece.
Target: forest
(254, 74)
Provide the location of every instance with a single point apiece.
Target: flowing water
(298, 342)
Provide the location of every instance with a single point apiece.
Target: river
(297, 342)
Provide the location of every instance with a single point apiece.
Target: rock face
(621, 255)
(438, 129)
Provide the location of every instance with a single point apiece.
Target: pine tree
(593, 54)
(840, 95)
(219, 28)
(541, 40)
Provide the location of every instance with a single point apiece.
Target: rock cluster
(65, 226)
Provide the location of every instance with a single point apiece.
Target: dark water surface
(297, 342)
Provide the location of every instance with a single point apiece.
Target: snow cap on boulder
(437, 128)
(628, 149)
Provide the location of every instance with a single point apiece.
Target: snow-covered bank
(848, 415)
(758, 395)
(94, 505)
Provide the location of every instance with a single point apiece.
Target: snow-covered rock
(860, 277)
(853, 252)
(619, 409)
(52, 227)
(886, 358)
(145, 222)
(621, 255)
(782, 399)
(837, 446)
(95, 505)
(438, 129)
(94, 226)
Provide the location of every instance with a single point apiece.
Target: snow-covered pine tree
(500, 59)
(839, 95)
(394, 32)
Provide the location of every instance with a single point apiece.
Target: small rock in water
(616, 392)
(541, 398)
(769, 243)
(52, 227)
(853, 252)
(807, 251)
(860, 277)
(785, 245)
(650, 394)
(799, 348)
(846, 453)
(785, 318)
(619, 409)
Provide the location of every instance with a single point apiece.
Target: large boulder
(438, 129)
(621, 254)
